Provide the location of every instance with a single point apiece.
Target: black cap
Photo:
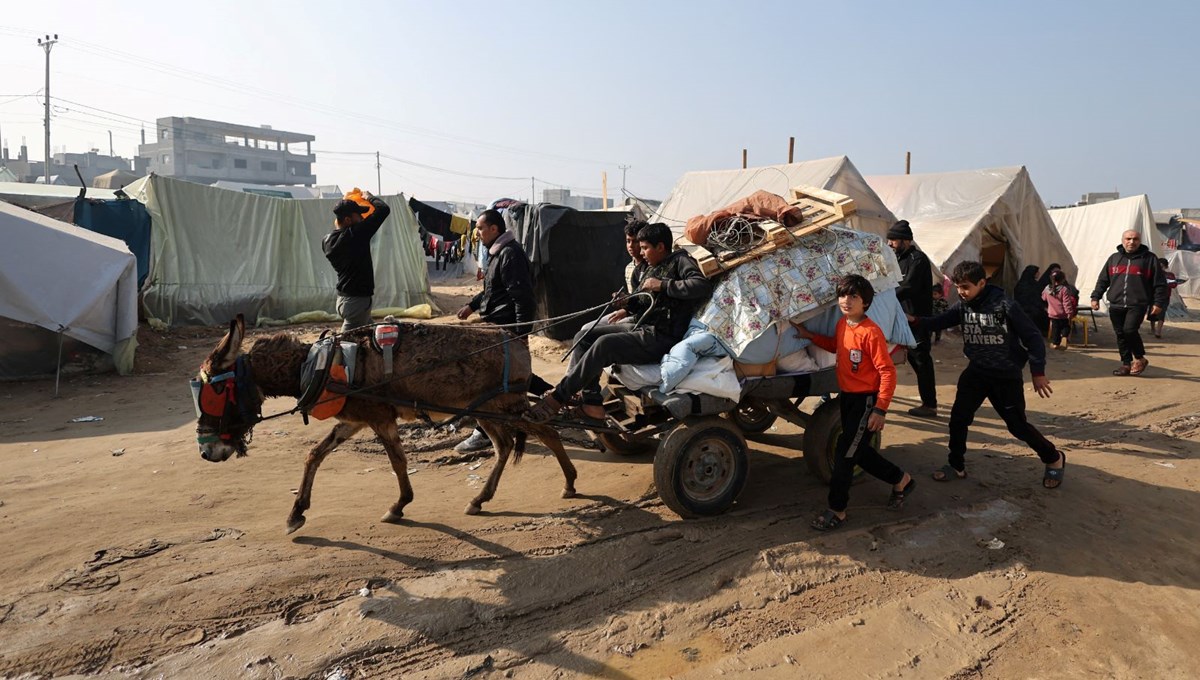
(900, 231)
(346, 207)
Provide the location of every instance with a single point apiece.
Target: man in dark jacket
(507, 297)
(916, 297)
(678, 287)
(998, 340)
(348, 249)
(1135, 282)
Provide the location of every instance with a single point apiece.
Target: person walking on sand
(1061, 302)
(998, 339)
(867, 380)
(915, 293)
(1134, 282)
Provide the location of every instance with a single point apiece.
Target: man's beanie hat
(900, 231)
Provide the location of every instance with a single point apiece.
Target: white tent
(699, 193)
(28, 195)
(1186, 265)
(1093, 233)
(60, 277)
(215, 253)
(994, 216)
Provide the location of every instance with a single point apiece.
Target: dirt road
(126, 555)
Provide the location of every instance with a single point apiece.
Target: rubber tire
(723, 450)
(820, 440)
(624, 446)
(752, 424)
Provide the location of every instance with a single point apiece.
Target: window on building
(216, 163)
(269, 166)
(239, 163)
(164, 133)
(166, 158)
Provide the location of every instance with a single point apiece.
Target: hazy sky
(1090, 96)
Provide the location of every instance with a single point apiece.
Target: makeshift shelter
(34, 196)
(994, 216)
(216, 253)
(578, 259)
(700, 193)
(1186, 265)
(115, 179)
(62, 284)
(1093, 232)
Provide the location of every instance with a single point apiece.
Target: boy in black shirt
(348, 249)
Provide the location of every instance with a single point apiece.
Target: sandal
(828, 521)
(578, 415)
(1123, 370)
(948, 474)
(896, 500)
(543, 411)
(1139, 366)
(1055, 474)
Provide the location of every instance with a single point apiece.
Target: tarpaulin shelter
(59, 282)
(1186, 265)
(1093, 232)
(114, 179)
(578, 259)
(216, 253)
(702, 192)
(994, 216)
(34, 196)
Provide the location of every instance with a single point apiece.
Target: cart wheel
(624, 445)
(752, 418)
(820, 440)
(700, 467)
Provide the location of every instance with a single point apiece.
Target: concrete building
(24, 169)
(563, 197)
(206, 151)
(91, 165)
(1094, 197)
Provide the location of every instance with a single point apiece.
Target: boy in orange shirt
(867, 379)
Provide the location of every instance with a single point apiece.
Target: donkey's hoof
(569, 493)
(473, 509)
(294, 523)
(392, 518)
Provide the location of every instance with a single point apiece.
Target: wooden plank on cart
(777, 237)
(832, 202)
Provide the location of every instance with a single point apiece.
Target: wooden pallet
(819, 208)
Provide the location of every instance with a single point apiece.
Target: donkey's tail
(519, 449)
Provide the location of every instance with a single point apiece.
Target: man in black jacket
(348, 249)
(507, 298)
(916, 297)
(679, 287)
(1134, 281)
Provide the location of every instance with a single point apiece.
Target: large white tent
(994, 216)
(702, 192)
(215, 253)
(64, 278)
(1093, 233)
(1186, 265)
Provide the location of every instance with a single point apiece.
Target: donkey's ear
(230, 347)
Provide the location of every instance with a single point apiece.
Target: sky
(469, 100)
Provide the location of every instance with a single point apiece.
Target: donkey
(446, 366)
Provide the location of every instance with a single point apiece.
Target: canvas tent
(578, 259)
(57, 277)
(216, 253)
(699, 193)
(1093, 232)
(1186, 265)
(994, 216)
(34, 196)
(114, 179)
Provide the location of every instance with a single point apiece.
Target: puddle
(664, 659)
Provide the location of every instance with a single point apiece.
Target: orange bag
(332, 402)
(356, 195)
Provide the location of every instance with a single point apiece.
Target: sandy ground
(126, 555)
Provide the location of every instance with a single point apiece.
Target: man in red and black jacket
(1135, 282)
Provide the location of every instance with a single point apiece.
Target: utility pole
(623, 168)
(47, 43)
(908, 162)
(791, 149)
(378, 176)
(532, 197)
(110, 146)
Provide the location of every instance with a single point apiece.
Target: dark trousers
(607, 345)
(922, 364)
(1126, 321)
(1007, 396)
(1059, 329)
(856, 406)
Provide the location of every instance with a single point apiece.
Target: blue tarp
(124, 219)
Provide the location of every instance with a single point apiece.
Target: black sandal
(828, 521)
(896, 500)
(543, 411)
(949, 474)
(1055, 474)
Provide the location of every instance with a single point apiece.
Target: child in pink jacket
(1061, 301)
